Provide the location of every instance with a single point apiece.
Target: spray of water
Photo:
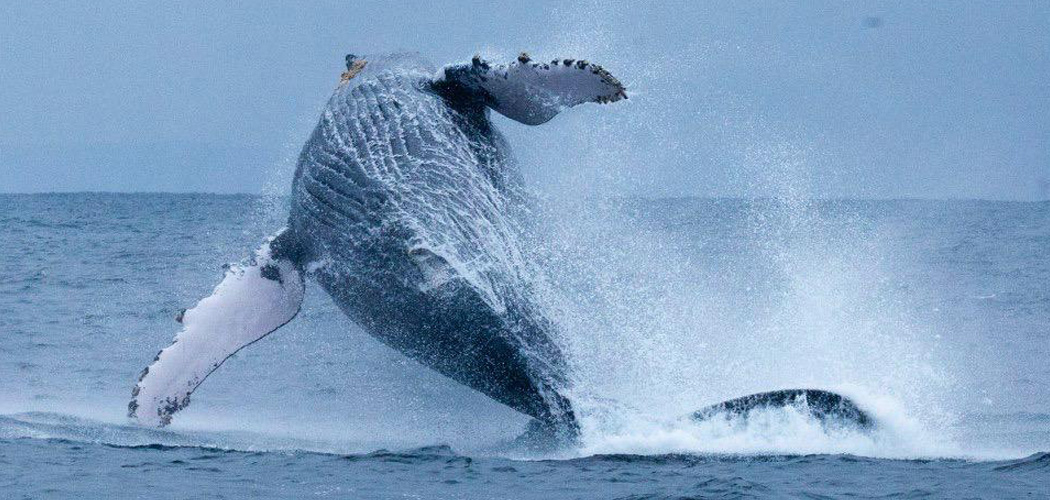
(669, 306)
(673, 305)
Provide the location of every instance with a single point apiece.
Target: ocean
(934, 316)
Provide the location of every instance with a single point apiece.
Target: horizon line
(631, 196)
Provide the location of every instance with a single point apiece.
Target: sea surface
(934, 316)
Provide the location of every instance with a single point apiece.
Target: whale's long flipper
(533, 92)
(252, 300)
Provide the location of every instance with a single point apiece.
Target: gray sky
(828, 99)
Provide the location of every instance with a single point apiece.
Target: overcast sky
(836, 99)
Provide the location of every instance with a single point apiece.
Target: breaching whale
(406, 209)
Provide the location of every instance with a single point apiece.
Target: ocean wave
(1033, 462)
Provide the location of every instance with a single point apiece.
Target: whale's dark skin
(369, 216)
(407, 208)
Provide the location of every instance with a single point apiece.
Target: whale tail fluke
(253, 299)
(533, 92)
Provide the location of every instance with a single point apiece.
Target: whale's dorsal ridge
(532, 92)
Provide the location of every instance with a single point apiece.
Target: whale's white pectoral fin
(252, 300)
(533, 92)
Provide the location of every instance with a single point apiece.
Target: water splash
(666, 310)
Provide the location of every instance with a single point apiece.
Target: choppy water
(933, 315)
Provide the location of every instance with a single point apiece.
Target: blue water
(933, 315)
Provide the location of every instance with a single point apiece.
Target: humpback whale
(407, 208)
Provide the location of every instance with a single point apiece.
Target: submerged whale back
(404, 203)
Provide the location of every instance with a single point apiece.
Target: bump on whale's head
(360, 67)
(354, 65)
